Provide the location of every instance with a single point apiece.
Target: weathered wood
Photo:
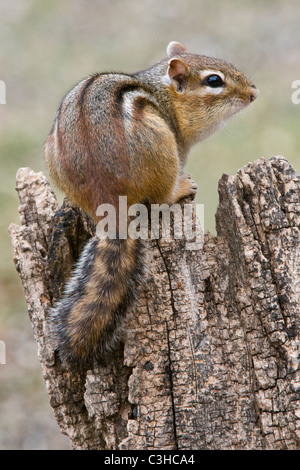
(210, 359)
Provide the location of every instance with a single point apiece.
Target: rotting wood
(211, 355)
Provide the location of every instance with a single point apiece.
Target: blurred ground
(46, 47)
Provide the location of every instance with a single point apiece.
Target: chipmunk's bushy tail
(87, 321)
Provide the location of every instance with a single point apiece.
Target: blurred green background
(46, 47)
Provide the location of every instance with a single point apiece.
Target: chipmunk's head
(206, 91)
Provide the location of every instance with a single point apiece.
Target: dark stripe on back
(125, 89)
(85, 88)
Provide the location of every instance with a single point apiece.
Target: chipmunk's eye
(214, 81)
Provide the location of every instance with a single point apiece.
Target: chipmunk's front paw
(192, 186)
(186, 187)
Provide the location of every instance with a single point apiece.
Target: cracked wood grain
(211, 354)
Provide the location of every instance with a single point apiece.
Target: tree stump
(210, 359)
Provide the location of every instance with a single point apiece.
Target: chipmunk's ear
(175, 48)
(178, 72)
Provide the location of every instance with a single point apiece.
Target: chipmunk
(118, 134)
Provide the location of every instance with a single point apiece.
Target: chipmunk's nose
(254, 93)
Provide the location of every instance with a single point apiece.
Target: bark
(210, 359)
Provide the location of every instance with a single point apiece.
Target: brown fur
(129, 135)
